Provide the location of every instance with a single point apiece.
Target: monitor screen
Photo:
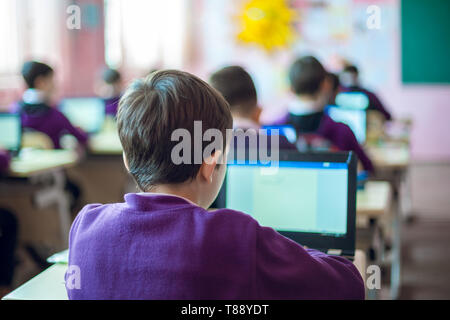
(286, 130)
(10, 131)
(297, 197)
(86, 113)
(354, 100)
(354, 118)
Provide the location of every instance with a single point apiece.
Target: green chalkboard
(425, 29)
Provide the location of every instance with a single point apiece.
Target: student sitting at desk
(111, 90)
(237, 87)
(8, 238)
(350, 81)
(312, 87)
(35, 109)
(162, 243)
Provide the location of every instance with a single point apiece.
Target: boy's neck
(177, 190)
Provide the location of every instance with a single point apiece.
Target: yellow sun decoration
(267, 23)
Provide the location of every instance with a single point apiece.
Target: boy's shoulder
(333, 127)
(219, 215)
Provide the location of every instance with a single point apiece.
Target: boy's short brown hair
(151, 109)
(306, 75)
(237, 87)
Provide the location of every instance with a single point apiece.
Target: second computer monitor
(88, 113)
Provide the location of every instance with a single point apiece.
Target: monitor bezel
(323, 242)
(16, 150)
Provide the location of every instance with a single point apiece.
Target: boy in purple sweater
(350, 81)
(111, 90)
(162, 243)
(238, 88)
(36, 112)
(313, 87)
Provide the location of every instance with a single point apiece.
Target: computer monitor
(354, 118)
(88, 113)
(353, 100)
(286, 130)
(310, 198)
(10, 132)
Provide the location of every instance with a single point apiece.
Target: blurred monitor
(88, 113)
(10, 132)
(286, 130)
(354, 118)
(353, 100)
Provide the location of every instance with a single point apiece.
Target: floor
(426, 239)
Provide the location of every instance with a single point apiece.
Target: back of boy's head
(237, 87)
(111, 76)
(306, 76)
(31, 70)
(152, 109)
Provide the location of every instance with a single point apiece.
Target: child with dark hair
(237, 87)
(162, 243)
(312, 85)
(38, 114)
(36, 111)
(350, 81)
(111, 90)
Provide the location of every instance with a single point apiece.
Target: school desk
(390, 156)
(35, 162)
(376, 202)
(50, 285)
(43, 172)
(105, 143)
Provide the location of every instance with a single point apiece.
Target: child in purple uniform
(237, 87)
(35, 109)
(313, 87)
(111, 90)
(161, 243)
(350, 81)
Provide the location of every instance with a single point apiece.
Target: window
(142, 34)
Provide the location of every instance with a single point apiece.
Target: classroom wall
(427, 105)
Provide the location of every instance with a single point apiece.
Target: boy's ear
(326, 86)
(256, 114)
(125, 161)
(206, 171)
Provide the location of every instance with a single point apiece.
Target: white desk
(48, 285)
(46, 165)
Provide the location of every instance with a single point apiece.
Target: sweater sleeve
(4, 161)
(79, 134)
(285, 270)
(376, 104)
(353, 145)
(345, 139)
